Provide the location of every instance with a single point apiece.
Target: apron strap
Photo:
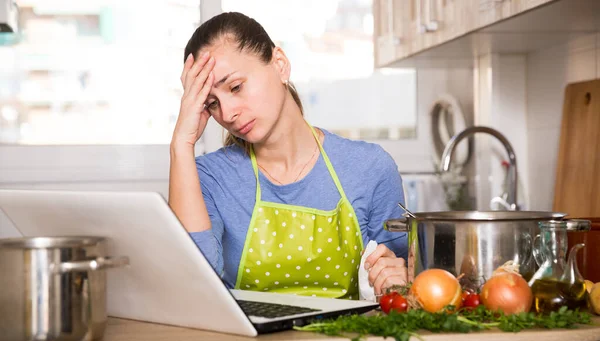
(330, 168)
(255, 168)
(329, 165)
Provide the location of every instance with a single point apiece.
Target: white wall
(416, 155)
(522, 97)
(548, 73)
(500, 92)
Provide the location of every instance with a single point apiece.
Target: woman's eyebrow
(219, 83)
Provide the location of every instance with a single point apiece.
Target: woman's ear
(282, 64)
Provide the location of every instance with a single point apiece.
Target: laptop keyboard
(271, 310)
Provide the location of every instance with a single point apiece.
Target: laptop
(168, 280)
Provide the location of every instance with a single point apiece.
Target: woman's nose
(230, 112)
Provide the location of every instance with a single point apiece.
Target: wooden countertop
(127, 330)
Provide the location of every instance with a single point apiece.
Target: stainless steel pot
(54, 288)
(472, 243)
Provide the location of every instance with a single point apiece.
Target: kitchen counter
(121, 330)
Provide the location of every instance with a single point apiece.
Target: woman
(283, 207)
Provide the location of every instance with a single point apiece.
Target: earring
(286, 82)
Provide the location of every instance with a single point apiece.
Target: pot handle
(397, 225)
(99, 263)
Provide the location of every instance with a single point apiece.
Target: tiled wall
(548, 73)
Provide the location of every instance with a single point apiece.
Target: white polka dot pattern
(283, 242)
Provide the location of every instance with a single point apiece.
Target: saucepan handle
(397, 225)
(99, 263)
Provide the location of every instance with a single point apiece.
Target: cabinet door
(491, 11)
(389, 40)
(438, 21)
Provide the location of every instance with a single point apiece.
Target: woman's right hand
(197, 79)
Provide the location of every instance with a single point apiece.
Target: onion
(508, 292)
(435, 289)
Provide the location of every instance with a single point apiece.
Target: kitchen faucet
(511, 197)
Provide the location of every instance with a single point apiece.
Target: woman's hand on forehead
(197, 79)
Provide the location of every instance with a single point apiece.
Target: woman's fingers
(381, 265)
(190, 76)
(389, 278)
(206, 90)
(201, 80)
(189, 61)
(380, 251)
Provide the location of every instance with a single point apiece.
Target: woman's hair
(249, 36)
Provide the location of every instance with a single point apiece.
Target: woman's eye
(212, 105)
(236, 88)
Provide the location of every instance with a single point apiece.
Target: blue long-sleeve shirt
(367, 173)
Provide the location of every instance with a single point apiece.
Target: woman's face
(247, 95)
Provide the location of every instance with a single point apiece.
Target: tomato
(466, 294)
(393, 301)
(399, 304)
(385, 302)
(472, 301)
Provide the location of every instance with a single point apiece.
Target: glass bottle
(557, 282)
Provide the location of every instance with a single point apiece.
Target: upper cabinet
(410, 31)
(405, 27)
(491, 11)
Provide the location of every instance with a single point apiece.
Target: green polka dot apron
(302, 250)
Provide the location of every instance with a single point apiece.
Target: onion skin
(435, 289)
(508, 292)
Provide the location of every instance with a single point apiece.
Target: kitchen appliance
(473, 243)
(54, 288)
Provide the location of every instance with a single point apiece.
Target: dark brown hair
(249, 35)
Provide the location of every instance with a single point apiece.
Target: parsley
(402, 326)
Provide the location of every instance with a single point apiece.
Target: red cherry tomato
(399, 304)
(466, 294)
(472, 301)
(385, 302)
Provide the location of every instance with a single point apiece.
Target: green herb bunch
(401, 326)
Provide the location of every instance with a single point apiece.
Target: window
(94, 71)
(330, 46)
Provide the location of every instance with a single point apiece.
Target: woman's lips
(246, 128)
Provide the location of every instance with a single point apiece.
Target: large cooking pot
(472, 243)
(54, 288)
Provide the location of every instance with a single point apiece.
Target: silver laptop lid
(168, 281)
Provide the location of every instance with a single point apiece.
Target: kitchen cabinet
(404, 27)
(491, 11)
(451, 33)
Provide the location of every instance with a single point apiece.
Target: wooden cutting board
(577, 186)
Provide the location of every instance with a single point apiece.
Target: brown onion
(508, 292)
(435, 289)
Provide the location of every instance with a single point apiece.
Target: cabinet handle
(429, 24)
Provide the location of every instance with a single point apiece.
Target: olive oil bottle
(550, 295)
(557, 283)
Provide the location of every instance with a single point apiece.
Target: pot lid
(489, 215)
(50, 242)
